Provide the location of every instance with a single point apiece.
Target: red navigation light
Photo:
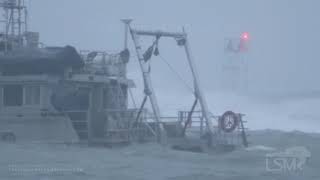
(245, 36)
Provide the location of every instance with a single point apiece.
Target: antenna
(14, 23)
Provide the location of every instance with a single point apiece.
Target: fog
(282, 58)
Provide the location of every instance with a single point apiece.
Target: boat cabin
(57, 94)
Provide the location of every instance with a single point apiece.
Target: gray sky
(284, 34)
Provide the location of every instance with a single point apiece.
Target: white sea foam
(260, 148)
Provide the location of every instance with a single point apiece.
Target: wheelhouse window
(12, 95)
(32, 95)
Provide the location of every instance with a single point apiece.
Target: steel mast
(197, 85)
(148, 88)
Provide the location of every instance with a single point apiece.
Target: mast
(126, 29)
(148, 88)
(197, 86)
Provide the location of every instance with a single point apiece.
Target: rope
(177, 74)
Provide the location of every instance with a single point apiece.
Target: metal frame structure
(15, 20)
(182, 40)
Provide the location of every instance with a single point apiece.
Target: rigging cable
(177, 74)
